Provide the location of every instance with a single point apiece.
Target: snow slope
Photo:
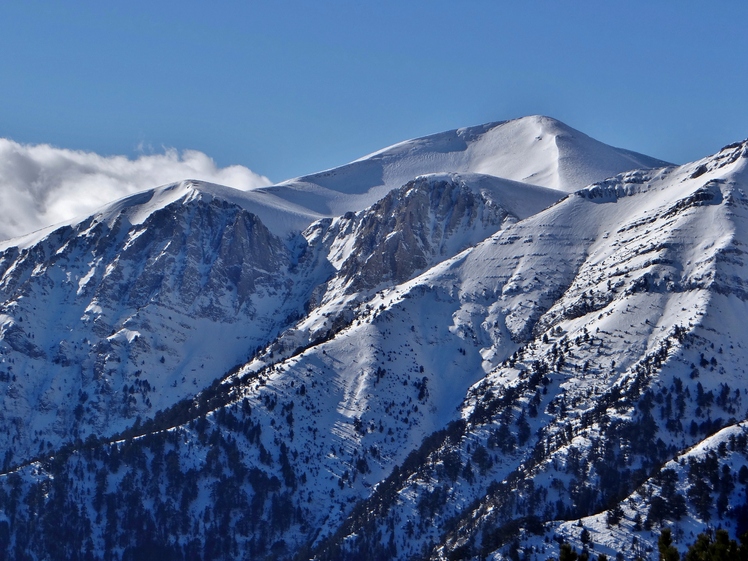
(589, 315)
(145, 303)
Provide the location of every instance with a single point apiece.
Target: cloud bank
(41, 185)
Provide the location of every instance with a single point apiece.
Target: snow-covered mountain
(620, 356)
(467, 362)
(129, 311)
(150, 300)
(537, 150)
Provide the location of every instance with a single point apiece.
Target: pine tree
(567, 553)
(665, 544)
(719, 548)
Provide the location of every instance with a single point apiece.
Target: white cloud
(41, 185)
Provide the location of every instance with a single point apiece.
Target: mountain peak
(550, 124)
(538, 150)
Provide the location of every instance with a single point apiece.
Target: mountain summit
(537, 150)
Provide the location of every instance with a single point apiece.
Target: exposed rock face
(106, 303)
(414, 227)
(210, 260)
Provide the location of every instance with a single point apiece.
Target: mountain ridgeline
(501, 342)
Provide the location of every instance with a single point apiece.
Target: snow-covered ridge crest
(284, 218)
(727, 160)
(536, 150)
(43, 184)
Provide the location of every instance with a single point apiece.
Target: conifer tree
(665, 545)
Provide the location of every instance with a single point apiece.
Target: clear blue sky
(292, 87)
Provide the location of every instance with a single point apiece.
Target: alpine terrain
(508, 341)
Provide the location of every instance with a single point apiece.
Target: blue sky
(292, 87)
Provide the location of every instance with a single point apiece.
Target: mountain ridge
(538, 364)
(293, 204)
(525, 150)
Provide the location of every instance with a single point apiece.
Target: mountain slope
(644, 288)
(150, 300)
(136, 308)
(428, 220)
